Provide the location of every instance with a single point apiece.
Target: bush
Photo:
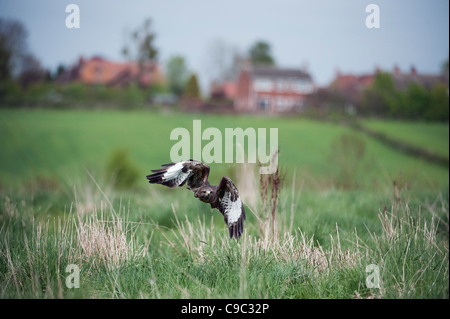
(348, 153)
(439, 104)
(122, 170)
(415, 103)
(192, 89)
(10, 93)
(77, 95)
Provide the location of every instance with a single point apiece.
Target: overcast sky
(325, 35)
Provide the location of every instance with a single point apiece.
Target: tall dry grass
(38, 251)
(196, 258)
(411, 255)
(275, 237)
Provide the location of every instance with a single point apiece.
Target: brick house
(352, 86)
(403, 79)
(226, 90)
(98, 70)
(272, 90)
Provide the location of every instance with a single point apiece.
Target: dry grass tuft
(110, 239)
(270, 187)
(200, 241)
(247, 183)
(276, 238)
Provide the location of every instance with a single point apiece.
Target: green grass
(433, 137)
(125, 251)
(62, 144)
(338, 213)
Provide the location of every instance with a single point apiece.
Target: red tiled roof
(98, 70)
(230, 89)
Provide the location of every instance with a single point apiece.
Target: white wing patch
(176, 174)
(225, 196)
(233, 210)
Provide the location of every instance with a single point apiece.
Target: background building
(98, 70)
(272, 89)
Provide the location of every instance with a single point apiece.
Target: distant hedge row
(76, 95)
(415, 102)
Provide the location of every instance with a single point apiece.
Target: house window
(304, 87)
(279, 103)
(284, 104)
(281, 85)
(263, 84)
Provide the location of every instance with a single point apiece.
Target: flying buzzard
(224, 197)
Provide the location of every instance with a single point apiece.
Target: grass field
(433, 138)
(338, 212)
(63, 144)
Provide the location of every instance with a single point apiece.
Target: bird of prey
(224, 197)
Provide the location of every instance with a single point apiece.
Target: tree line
(24, 81)
(385, 99)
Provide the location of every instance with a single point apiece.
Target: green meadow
(63, 144)
(73, 191)
(433, 137)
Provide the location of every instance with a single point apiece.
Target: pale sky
(325, 35)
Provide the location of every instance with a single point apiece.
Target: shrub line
(403, 147)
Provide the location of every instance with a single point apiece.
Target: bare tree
(31, 72)
(140, 46)
(224, 61)
(13, 48)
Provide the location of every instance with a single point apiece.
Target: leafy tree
(384, 82)
(260, 53)
(192, 88)
(60, 70)
(417, 101)
(439, 104)
(383, 97)
(177, 74)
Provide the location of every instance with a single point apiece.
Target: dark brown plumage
(224, 197)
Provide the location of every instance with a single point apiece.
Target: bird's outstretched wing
(195, 173)
(231, 207)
